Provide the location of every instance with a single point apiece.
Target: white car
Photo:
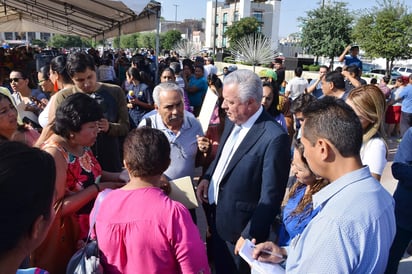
(379, 73)
(403, 70)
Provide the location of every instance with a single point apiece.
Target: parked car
(405, 71)
(367, 67)
(379, 73)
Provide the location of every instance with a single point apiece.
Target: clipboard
(182, 191)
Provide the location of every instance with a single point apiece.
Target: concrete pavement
(405, 265)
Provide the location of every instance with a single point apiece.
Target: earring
(71, 136)
(55, 86)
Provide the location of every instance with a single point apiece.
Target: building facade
(220, 15)
(26, 36)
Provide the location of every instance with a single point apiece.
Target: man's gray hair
(249, 84)
(165, 87)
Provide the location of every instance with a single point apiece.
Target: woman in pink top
(139, 228)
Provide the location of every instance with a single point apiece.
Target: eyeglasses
(15, 79)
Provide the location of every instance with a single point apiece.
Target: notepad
(258, 267)
(182, 191)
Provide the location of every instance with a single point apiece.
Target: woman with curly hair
(79, 178)
(299, 210)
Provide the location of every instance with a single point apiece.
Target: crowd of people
(294, 166)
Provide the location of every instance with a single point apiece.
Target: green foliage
(228, 59)
(326, 31)
(147, 40)
(116, 42)
(310, 67)
(242, 28)
(39, 43)
(170, 39)
(87, 43)
(314, 67)
(65, 41)
(129, 41)
(385, 32)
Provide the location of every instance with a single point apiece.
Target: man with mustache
(180, 128)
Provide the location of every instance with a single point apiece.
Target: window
(225, 18)
(31, 36)
(45, 36)
(8, 35)
(217, 20)
(236, 16)
(259, 16)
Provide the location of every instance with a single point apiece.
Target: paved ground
(405, 266)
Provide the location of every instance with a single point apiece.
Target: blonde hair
(370, 102)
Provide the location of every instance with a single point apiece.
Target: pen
(272, 253)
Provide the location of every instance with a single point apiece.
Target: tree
(39, 43)
(87, 42)
(326, 31)
(116, 42)
(170, 39)
(241, 28)
(254, 49)
(66, 41)
(385, 32)
(129, 41)
(147, 40)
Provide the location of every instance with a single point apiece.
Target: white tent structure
(98, 19)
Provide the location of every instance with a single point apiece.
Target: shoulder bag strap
(97, 204)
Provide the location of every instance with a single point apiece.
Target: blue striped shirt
(352, 232)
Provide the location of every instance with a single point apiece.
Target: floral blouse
(82, 172)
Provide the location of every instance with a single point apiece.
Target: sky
(289, 12)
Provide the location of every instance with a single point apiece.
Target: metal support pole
(157, 44)
(215, 32)
(175, 15)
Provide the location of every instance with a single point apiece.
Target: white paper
(258, 267)
(206, 111)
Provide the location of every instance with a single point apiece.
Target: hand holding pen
(269, 252)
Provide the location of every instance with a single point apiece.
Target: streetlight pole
(176, 5)
(215, 30)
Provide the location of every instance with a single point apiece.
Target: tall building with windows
(220, 15)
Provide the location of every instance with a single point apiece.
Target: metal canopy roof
(87, 18)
